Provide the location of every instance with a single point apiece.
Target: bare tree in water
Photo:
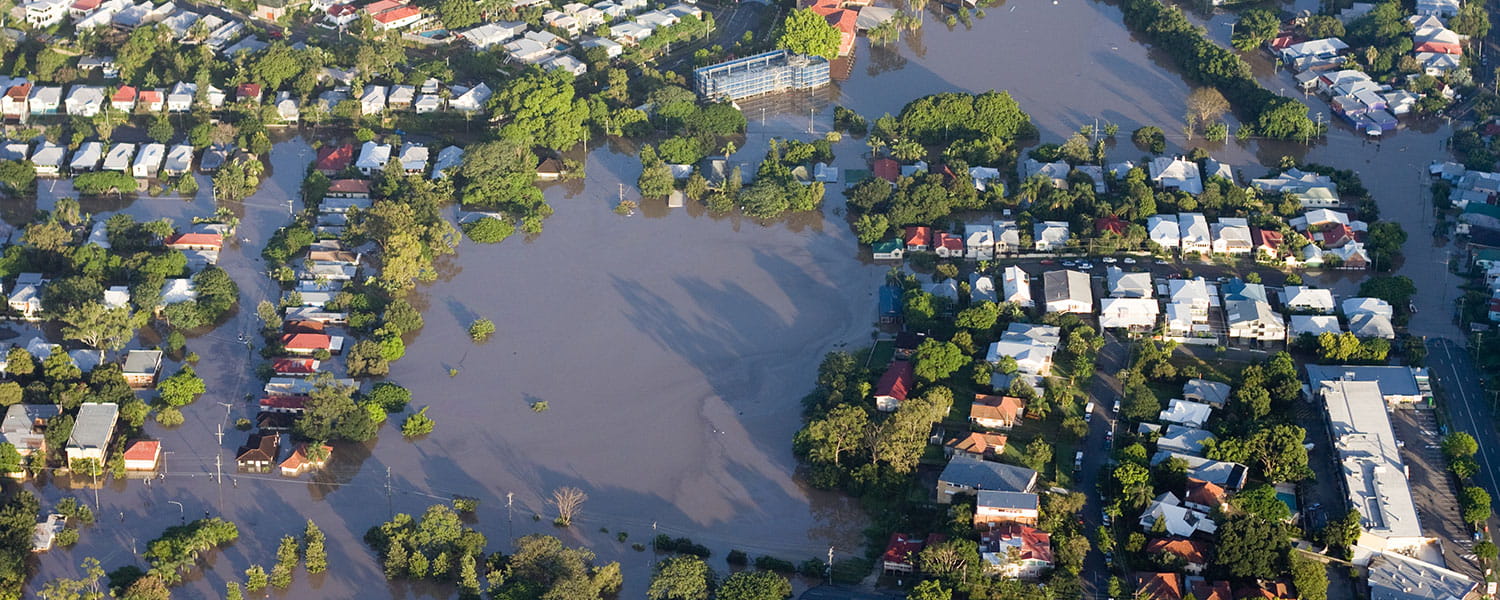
(568, 500)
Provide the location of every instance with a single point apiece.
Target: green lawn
(881, 353)
(1219, 370)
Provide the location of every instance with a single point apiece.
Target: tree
(18, 176)
(488, 230)
(1475, 503)
(367, 359)
(542, 109)
(981, 316)
(1280, 452)
(232, 591)
(656, 179)
(1384, 242)
(161, 129)
(459, 14)
(86, 587)
(286, 563)
(98, 326)
(681, 578)
(930, 589)
(1472, 20)
(1206, 104)
(315, 558)
(255, 578)
(1255, 27)
(481, 329)
(754, 585)
(950, 561)
(568, 501)
(1038, 454)
(808, 33)
(182, 387)
(826, 440)
(936, 360)
(1151, 139)
(1252, 547)
(1459, 445)
(418, 424)
(764, 199)
(1261, 501)
(1309, 576)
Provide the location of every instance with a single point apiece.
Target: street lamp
(182, 512)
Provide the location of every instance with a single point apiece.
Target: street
(1466, 404)
(1103, 392)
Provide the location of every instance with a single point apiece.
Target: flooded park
(672, 347)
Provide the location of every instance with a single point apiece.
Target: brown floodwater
(671, 347)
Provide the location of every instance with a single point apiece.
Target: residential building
(982, 288)
(765, 73)
(1313, 325)
(1068, 292)
(1158, 586)
(26, 296)
(1055, 173)
(87, 157)
(389, 15)
(979, 242)
(48, 159)
(1186, 412)
(1176, 519)
(148, 160)
(977, 444)
(1372, 325)
(373, 158)
(1299, 298)
(1122, 284)
(1192, 554)
(1196, 235)
(1205, 496)
(1311, 189)
(93, 429)
(308, 343)
(948, 245)
(44, 100)
(1231, 235)
(25, 426)
(894, 385)
(1016, 551)
(918, 239)
(1016, 285)
(449, 159)
(968, 475)
(1007, 236)
(1375, 306)
(1253, 320)
(900, 556)
(996, 412)
(1374, 476)
(1266, 240)
(142, 367)
(143, 455)
(1183, 440)
(995, 508)
(118, 157)
(887, 250)
(298, 462)
(1203, 391)
(1393, 576)
(487, 35)
(413, 158)
(1163, 229)
(1133, 314)
(1050, 236)
(470, 100)
(1176, 174)
(1031, 346)
(259, 453)
(179, 161)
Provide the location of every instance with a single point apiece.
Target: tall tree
(681, 578)
(808, 33)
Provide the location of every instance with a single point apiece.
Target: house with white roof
(1175, 518)
(448, 159)
(87, 157)
(1314, 325)
(1067, 291)
(1299, 298)
(413, 158)
(180, 97)
(1372, 325)
(1176, 174)
(372, 158)
(488, 35)
(85, 100)
(1186, 412)
(1016, 285)
(372, 102)
(1253, 320)
(179, 160)
(1376, 306)
(427, 103)
(1311, 189)
(48, 159)
(472, 99)
(612, 49)
(1325, 48)
(41, 14)
(118, 157)
(979, 241)
(1163, 230)
(567, 63)
(1438, 8)
(982, 288)
(45, 100)
(1124, 284)
(1050, 236)
(1196, 235)
(148, 160)
(1007, 236)
(1031, 346)
(1134, 314)
(1231, 235)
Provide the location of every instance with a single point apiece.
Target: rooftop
(1374, 475)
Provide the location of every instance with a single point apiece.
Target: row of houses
(227, 37)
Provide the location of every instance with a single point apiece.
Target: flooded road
(671, 347)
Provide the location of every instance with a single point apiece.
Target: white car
(1128, 261)
(1108, 260)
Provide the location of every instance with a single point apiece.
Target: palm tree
(919, 7)
(729, 149)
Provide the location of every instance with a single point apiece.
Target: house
(1266, 240)
(1111, 224)
(1176, 519)
(287, 111)
(349, 188)
(294, 367)
(1163, 230)
(900, 556)
(259, 452)
(390, 15)
(1229, 475)
(298, 462)
(93, 428)
(968, 475)
(1203, 391)
(1313, 325)
(1438, 8)
(887, 250)
(413, 158)
(248, 92)
(948, 245)
(340, 16)
(25, 426)
(1352, 255)
(979, 241)
(996, 412)
(86, 157)
(1055, 173)
(401, 96)
(1196, 235)
(141, 368)
(118, 157)
(213, 158)
(1231, 235)
(1007, 236)
(1050, 236)
(994, 508)
(1016, 551)
(1430, 35)
(982, 288)
(549, 168)
(143, 455)
(373, 158)
(1016, 285)
(372, 102)
(1030, 345)
(41, 14)
(308, 343)
(1183, 440)
(85, 101)
(123, 99)
(1133, 314)
(26, 296)
(148, 160)
(946, 288)
(449, 159)
(1311, 189)
(152, 100)
(43, 534)
(894, 385)
(180, 97)
(918, 239)
(1067, 292)
(1186, 412)
(286, 404)
(1305, 299)
(1176, 174)
(886, 168)
(1204, 496)
(14, 104)
(179, 160)
(974, 443)
(1253, 320)
(1375, 306)
(1158, 586)
(1192, 554)
(488, 35)
(1371, 325)
(332, 160)
(44, 100)
(1124, 284)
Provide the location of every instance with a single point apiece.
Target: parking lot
(1432, 488)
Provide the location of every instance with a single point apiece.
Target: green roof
(854, 176)
(1489, 254)
(886, 246)
(1480, 208)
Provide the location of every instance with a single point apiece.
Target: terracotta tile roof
(306, 341)
(1158, 586)
(1217, 590)
(335, 158)
(349, 186)
(902, 549)
(979, 443)
(950, 241)
(1111, 224)
(124, 94)
(247, 91)
(303, 326)
(305, 366)
(887, 169)
(1266, 238)
(1004, 408)
(299, 457)
(397, 14)
(150, 96)
(288, 403)
(1191, 551)
(143, 450)
(918, 236)
(896, 382)
(196, 239)
(1206, 493)
(1035, 543)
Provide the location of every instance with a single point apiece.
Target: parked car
(1128, 260)
(1109, 260)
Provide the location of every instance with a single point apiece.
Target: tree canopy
(808, 33)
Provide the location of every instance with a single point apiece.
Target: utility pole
(389, 504)
(219, 474)
(509, 523)
(830, 565)
(810, 121)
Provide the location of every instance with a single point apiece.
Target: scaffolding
(761, 74)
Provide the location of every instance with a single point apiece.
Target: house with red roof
(1266, 240)
(900, 556)
(308, 343)
(392, 14)
(303, 326)
(294, 367)
(284, 404)
(334, 159)
(982, 445)
(248, 92)
(918, 239)
(153, 100)
(996, 412)
(1158, 586)
(1016, 551)
(143, 455)
(123, 99)
(842, 19)
(298, 463)
(1267, 590)
(14, 105)
(886, 168)
(1334, 235)
(1192, 554)
(1111, 224)
(1216, 590)
(893, 386)
(195, 241)
(349, 188)
(1204, 496)
(81, 8)
(948, 245)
